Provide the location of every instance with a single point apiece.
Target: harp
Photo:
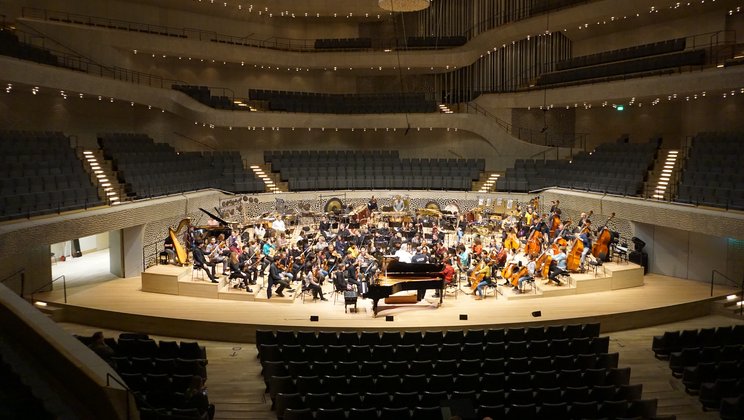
(181, 255)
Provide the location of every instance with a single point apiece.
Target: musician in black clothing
(372, 205)
(249, 262)
(277, 276)
(200, 261)
(339, 277)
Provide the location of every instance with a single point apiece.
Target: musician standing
(259, 232)
(398, 204)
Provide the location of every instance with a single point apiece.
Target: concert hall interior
(372, 209)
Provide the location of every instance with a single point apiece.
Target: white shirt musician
(403, 254)
(259, 232)
(398, 204)
(278, 225)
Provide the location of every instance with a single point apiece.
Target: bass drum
(334, 205)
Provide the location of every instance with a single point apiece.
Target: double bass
(573, 259)
(534, 243)
(601, 248)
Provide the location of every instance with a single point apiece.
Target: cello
(512, 241)
(479, 272)
(601, 248)
(514, 279)
(542, 264)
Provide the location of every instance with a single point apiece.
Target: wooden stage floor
(120, 304)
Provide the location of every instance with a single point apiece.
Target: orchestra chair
(595, 266)
(531, 282)
(197, 272)
(305, 291)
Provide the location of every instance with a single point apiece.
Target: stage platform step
(609, 276)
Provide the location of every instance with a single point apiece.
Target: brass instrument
(181, 255)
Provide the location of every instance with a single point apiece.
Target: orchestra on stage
(369, 252)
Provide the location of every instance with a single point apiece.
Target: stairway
(273, 183)
(486, 182)
(103, 176)
(730, 306)
(662, 180)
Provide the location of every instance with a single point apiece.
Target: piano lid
(219, 219)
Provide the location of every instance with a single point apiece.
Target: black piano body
(398, 277)
(206, 232)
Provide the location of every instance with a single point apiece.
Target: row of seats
(609, 379)
(433, 352)
(645, 409)
(343, 43)
(615, 168)
(373, 338)
(345, 103)
(42, 175)
(349, 368)
(435, 41)
(152, 169)
(384, 182)
(674, 341)
(332, 155)
(639, 65)
(710, 362)
(711, 173)
(637, 51)
(17, 400)
(10, 45)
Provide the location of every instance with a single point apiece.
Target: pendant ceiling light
(404, 5)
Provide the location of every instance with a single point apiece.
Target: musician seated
(340, 278)
(277, 276)
(248, 261)
(372, 205)
(313, 282)
(558, 266)
(170, 249)
(448, 273)
(530, 276)
(279, 226)
(482, 272)
(200, 261)
(216, 251)
(237, 273)
(403, 254)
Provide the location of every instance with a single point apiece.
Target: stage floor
(121, 304)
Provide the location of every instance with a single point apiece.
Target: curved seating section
(615, 168)
(157, 372)
(331, 170)
(712, 174)
(11, 46)
(550, 372)
(710, 362)
(152, 169)
(40, 174)
(17, 400)
(343, 43)
(378, 103)
(204, 95)
(625, 68)
(434, 42)
(638, 51)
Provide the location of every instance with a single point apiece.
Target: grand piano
(209, 231)
(396, 277)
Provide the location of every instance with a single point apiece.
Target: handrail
(527, 134)
(145, 254)
(64, 286)
(741, 296)
(22, 272)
